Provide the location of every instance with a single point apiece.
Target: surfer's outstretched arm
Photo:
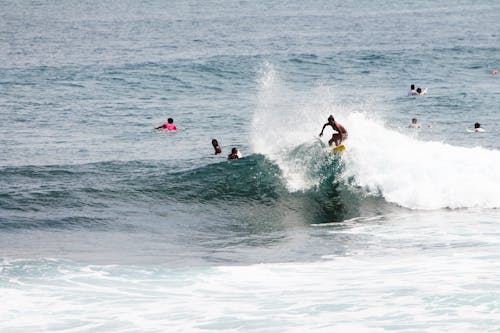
(321, 134)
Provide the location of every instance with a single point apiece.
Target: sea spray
(285, 119)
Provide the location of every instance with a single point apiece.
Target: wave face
(93, 195)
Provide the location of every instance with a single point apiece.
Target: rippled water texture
(107, 225)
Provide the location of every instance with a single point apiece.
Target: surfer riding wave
(338, 137)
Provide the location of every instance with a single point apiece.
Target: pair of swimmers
(418, 91)
(235, 153)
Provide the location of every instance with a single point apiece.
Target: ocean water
(107, 225)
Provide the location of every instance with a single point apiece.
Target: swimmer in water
(414, 124)
(216, 146)
(421, 91)
(235, 154)
(169, 125)
(478, 128)
(412, 91)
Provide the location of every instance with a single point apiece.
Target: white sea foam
(419, 174)
(424, 272)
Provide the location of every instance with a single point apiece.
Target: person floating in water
(412, 91)
(216, 146)
(421, 91)
(169, 125)
(235, 153)
(414, 123)
(478, 128)
(338, 137)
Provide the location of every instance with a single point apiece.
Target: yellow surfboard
(339, 149)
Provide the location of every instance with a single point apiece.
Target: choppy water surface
(107, 225)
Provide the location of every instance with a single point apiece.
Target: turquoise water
(107, 225)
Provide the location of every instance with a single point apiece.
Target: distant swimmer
(412, 91)
(216, 146)
(494, 72)
(414, 123)
(235, 154)
(478, 128)
(336, 137)
(421, 91)
(169, 125)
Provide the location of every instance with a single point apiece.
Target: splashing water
(407, 171)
